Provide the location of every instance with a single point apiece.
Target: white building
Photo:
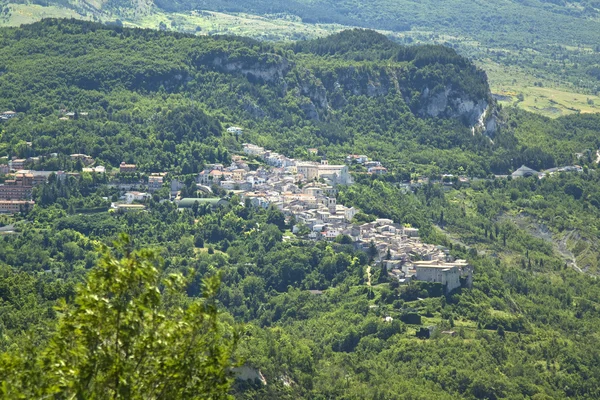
(100, 169)
(253, 150)
(6, 115)
(236, 130)
(448, 274)
(130, 197)
(360, 159)
(337, 174)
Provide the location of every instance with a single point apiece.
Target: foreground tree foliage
(130, 336)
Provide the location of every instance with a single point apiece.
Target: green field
(28, 13)
(542, 96)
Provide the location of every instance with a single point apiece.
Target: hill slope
(540, 55)
(422, 99)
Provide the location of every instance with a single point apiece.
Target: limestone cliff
(434, 82)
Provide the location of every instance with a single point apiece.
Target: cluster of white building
(373, 167)
(306, 194)
(6, 115)
(284, 170)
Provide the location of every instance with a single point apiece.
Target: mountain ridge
(433, 80)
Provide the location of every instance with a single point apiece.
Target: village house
(359, 159)
(85, 159)
(6, 115)
(16, 190)
(17, 163)
(127, 168)
(229, 185)
(37, 177)
(176, 186)
(155, 182)
(377, 170)
(448, 274)
(336, 174)
(130, 197)
(239, 174)
(15, 206)
(256, 199)
(372, 164)
(253, 150)
(308, 170)
(4, 169)
(235, 130)
(255, 180)
(203, 177)
(411, 232)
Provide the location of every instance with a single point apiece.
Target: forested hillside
(186, 88)
(524, 44)
(555, 42)
(143, 315)
(166, 97)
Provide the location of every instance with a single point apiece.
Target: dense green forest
(554, 42)
(302, 313)
(527, 328)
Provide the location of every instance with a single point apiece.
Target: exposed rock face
(322, 91)
(269, 68)
(480, 114)
(451, 104)
(313, 88)
(248, 373)
(492, 124)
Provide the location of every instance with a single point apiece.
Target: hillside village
(304, 191)
(306, 194)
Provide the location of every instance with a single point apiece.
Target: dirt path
(566, 253)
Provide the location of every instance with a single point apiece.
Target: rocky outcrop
(268, 68)
(450, 104)
(322, 90)
(480, 114)
(248, 373)
(313, 88)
